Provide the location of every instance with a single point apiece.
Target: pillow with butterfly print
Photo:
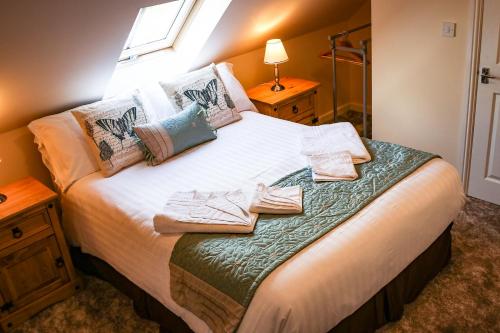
(108, 127)
(204, 87)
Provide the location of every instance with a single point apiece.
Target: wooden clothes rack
(363, 61)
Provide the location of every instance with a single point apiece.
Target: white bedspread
(112, 218)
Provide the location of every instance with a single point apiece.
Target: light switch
(448, 29)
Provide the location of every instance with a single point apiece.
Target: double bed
(111, 221)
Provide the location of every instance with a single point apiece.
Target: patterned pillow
(204, 87)
(175, 134)
(108, 126)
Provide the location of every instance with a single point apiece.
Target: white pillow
(234, 88)
(64, 150)
(155, 101)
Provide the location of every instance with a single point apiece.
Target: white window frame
(164, 43)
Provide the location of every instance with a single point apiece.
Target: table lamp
(275, 54)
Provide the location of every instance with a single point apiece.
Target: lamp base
(277, 87)
(3, 198)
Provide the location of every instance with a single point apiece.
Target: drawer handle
(17, 232)
(6, 306)
(295, 109)
(60, 262)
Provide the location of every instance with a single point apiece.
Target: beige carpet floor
(464, 297)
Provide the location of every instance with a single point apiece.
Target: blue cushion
(175, 134)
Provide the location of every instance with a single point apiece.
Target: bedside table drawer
(31, 273)
(35, 265)
(24, 226)
(296, 107)
(296, 103)
(305, 118)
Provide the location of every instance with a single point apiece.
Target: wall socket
(448, 29)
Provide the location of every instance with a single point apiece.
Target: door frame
(473, 71)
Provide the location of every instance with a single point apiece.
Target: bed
(403, 232)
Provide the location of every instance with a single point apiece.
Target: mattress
(112, 219)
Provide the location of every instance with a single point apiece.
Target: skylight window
(156, 27)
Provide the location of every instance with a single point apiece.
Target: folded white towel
(332, 166)
(207, 212)
(334, 138)
(277, 200)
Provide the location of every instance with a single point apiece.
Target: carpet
(464, 297)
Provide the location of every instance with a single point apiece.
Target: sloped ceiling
(247, 25)
(59, 54)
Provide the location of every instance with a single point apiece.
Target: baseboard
(359, 107)
(327, 117)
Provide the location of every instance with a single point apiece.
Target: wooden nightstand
(35, 266)
(296, 103)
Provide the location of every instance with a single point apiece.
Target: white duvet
(112, 218)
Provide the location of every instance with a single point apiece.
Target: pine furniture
(296, 103)
(35, 266)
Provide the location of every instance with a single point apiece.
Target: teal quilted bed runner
(216, 275)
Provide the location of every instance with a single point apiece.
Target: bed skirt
(387, 305)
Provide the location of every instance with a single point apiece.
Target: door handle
(485, 76)
(17, 232)
(59, 262)
(6, 306)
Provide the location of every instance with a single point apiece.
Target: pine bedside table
(35, 266)
(296, 103)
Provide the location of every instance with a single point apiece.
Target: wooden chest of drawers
(35, 266)
(296, 103)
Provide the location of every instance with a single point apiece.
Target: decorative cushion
(108, 126)
(204, 87)
(175, 134)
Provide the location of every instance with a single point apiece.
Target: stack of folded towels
(277, 200)
(332, 151)
(225, 212)
(332, 166)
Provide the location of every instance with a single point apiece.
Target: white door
(484, 181)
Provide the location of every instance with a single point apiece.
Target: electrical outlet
(448, 29)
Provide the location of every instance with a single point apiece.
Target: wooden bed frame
(385, 306)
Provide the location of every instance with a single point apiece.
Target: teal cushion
(175, 134)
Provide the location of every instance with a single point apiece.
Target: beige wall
(303, 52)
(19, 157)
(420, 77)
(362, 16)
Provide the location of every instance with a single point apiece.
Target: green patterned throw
(216, 275)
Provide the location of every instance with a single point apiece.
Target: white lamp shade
(275, 52)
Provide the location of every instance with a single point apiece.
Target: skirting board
(327, 117)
